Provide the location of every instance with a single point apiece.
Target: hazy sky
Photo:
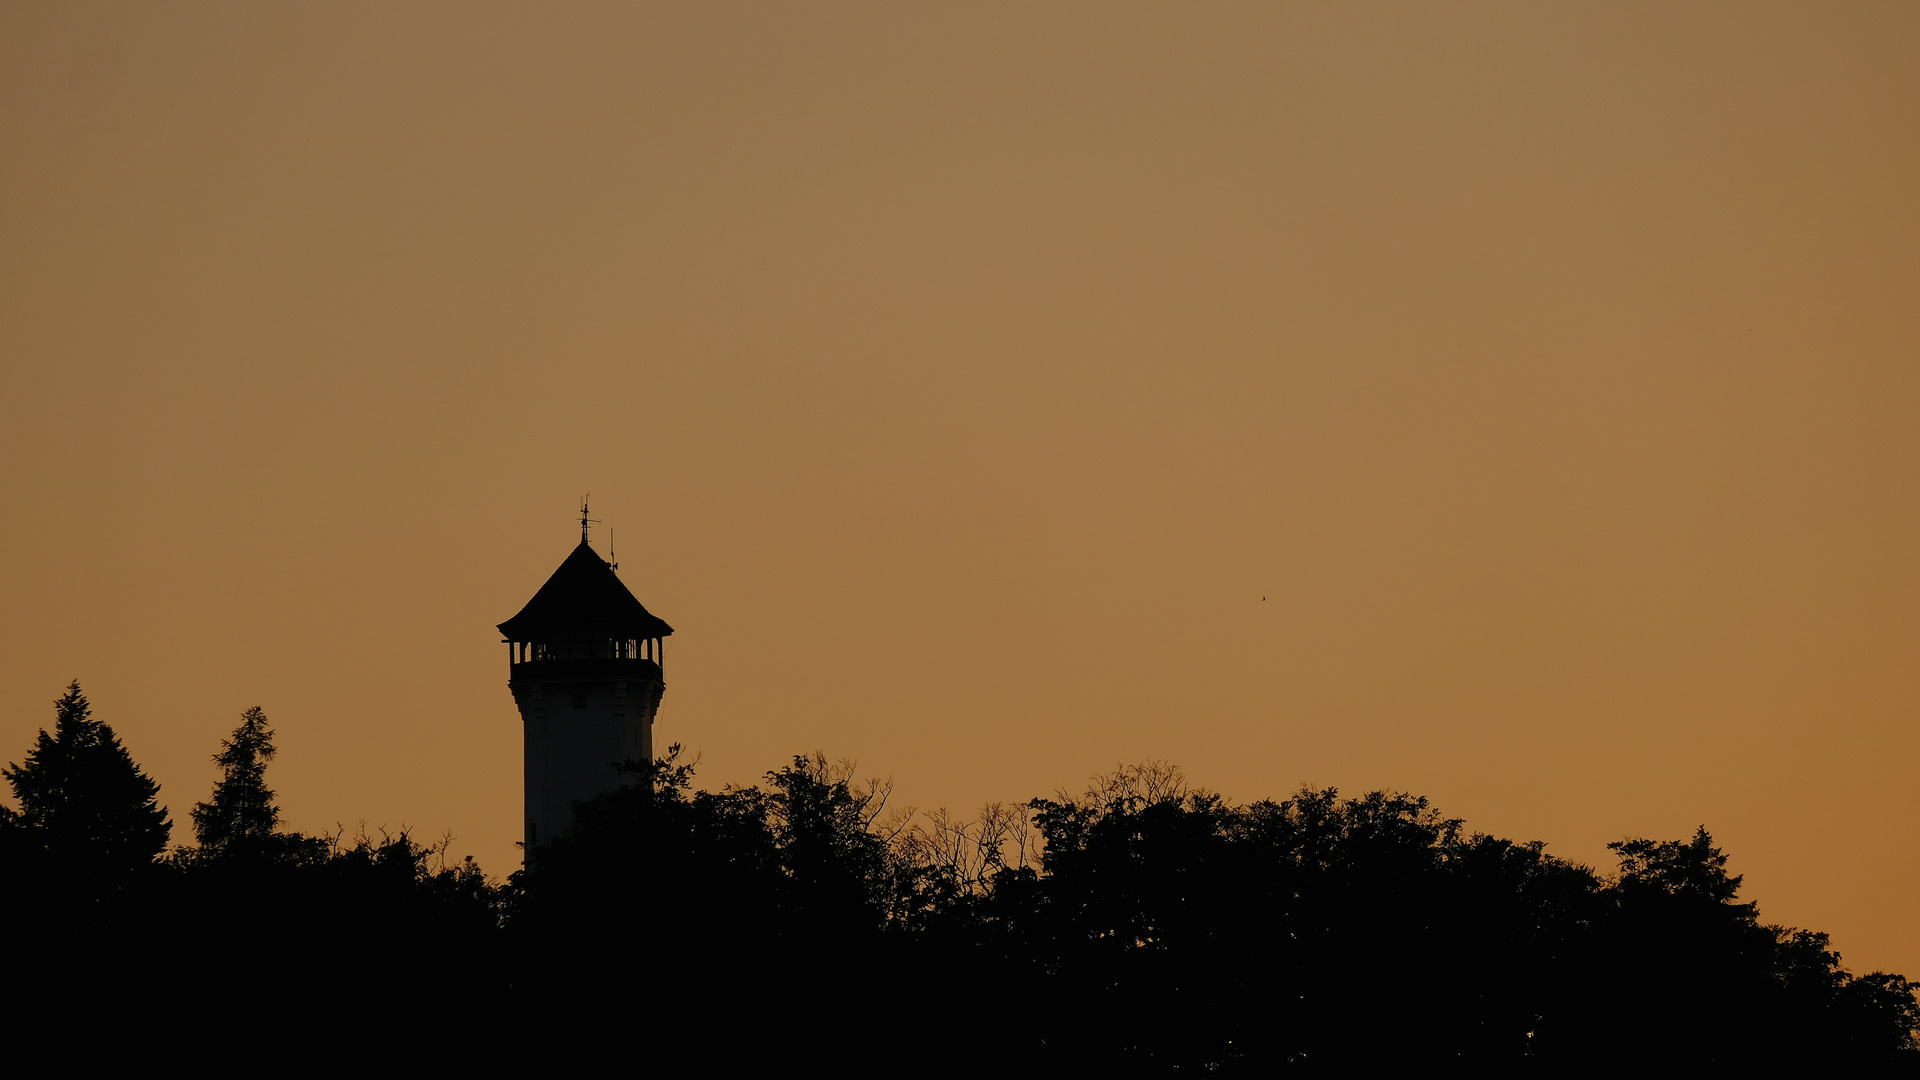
(959, 379)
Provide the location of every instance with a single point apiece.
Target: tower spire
(584, 519)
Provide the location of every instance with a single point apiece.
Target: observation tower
(584, 667)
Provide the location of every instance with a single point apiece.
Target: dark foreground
(1142, 927)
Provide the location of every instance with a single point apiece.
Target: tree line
(1144, 925)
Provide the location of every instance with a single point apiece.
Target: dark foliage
(283, 929)
(241, 816)
(1319, 931)
(373, 921)
(89, 824)
(703, 909)
(1149, 927)
(1142, 927)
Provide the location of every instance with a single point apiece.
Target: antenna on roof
(612, 559)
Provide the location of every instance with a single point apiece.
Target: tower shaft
(582, 719)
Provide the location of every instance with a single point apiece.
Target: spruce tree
(84, 805)
(241, 817)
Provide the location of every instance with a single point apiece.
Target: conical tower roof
(584, 596)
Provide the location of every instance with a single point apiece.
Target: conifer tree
(84, 804)
(241, 816)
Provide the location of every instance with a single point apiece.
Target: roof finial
(612, 559)
(584, 519)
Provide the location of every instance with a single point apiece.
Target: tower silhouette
(584, 668)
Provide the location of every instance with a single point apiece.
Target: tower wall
(581, 718)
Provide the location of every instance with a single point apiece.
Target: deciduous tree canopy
(1143, 926)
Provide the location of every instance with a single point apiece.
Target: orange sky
(958, 379)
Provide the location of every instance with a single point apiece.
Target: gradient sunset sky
(958, 379)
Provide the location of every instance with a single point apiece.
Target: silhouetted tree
(1143, 926)
(836, 868)
(308, 922)
(766, 908)
(1680, 969)
(240, 820)
(79, 876)
(87, 813)
(1167, 930)
(1161, 928)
